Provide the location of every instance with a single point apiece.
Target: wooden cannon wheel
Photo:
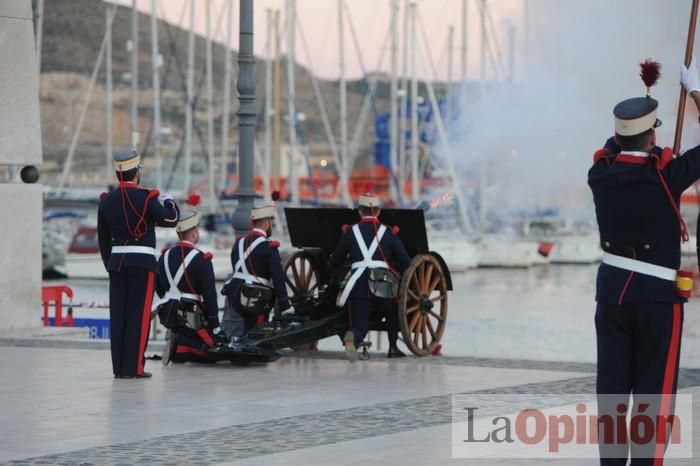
(423, 304)
(302, 278)
(301, 274)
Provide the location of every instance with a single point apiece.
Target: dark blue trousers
(130, 298)
(360, 311)
(638, 353)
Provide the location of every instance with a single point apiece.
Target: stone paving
(361, 419)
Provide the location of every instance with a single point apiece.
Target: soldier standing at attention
(368, 245)
(126, 220)
(640, 291)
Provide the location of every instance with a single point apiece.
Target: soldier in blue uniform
(640, 292)
(368, 245)
(256, 261)
(186, 279)
(126, 220)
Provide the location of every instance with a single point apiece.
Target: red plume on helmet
(651, 72)
(275, 195)
(193, 198)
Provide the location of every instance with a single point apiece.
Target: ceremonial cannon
(313, 288)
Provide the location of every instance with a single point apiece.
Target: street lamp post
(246, 119)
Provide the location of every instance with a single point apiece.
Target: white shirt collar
(264, 233)
(635, 153)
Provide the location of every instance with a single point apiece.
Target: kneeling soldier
(370, 247)
(187, 286)
(258, 278)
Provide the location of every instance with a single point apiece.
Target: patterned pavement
(238, 442)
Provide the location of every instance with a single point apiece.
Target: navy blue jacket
(636, 219)
(198, 279)
(263, 262)
(390, 250)
(113, 229)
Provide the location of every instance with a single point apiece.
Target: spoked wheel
(301, 274)
(302, 278)
(423, 305)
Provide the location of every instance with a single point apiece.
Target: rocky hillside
(73, 32)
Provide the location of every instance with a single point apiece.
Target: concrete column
(246, 119)
(20, 145)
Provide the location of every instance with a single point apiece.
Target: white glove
(165, 197)
(690, 79)
(288, 312)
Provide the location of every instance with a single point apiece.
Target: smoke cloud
(536, 136)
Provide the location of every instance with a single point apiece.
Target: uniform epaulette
(345, 228)
(152, 192)
(208, 256)
(102, 195)
(661, 156)
(666, 157)
(602, 154)
(395, 229)
(274, 244)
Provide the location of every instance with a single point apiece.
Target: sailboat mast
(343, 90)
(190, 98)
(268, 101)
(465, 43)
(292, 181)
(394, 94)
(450, 85)
(484, 41)
(403, 97)
(210, 112)
(415, 181)
(277, 116)
(133, 126)
(155, 63)
(108, 84)
(225, 117)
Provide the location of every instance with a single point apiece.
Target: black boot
(395, 352)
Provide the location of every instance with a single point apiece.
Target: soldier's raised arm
(684, 170)
(163, 209)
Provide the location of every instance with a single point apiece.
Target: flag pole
(688, 58)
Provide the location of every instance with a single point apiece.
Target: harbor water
(540, 313)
